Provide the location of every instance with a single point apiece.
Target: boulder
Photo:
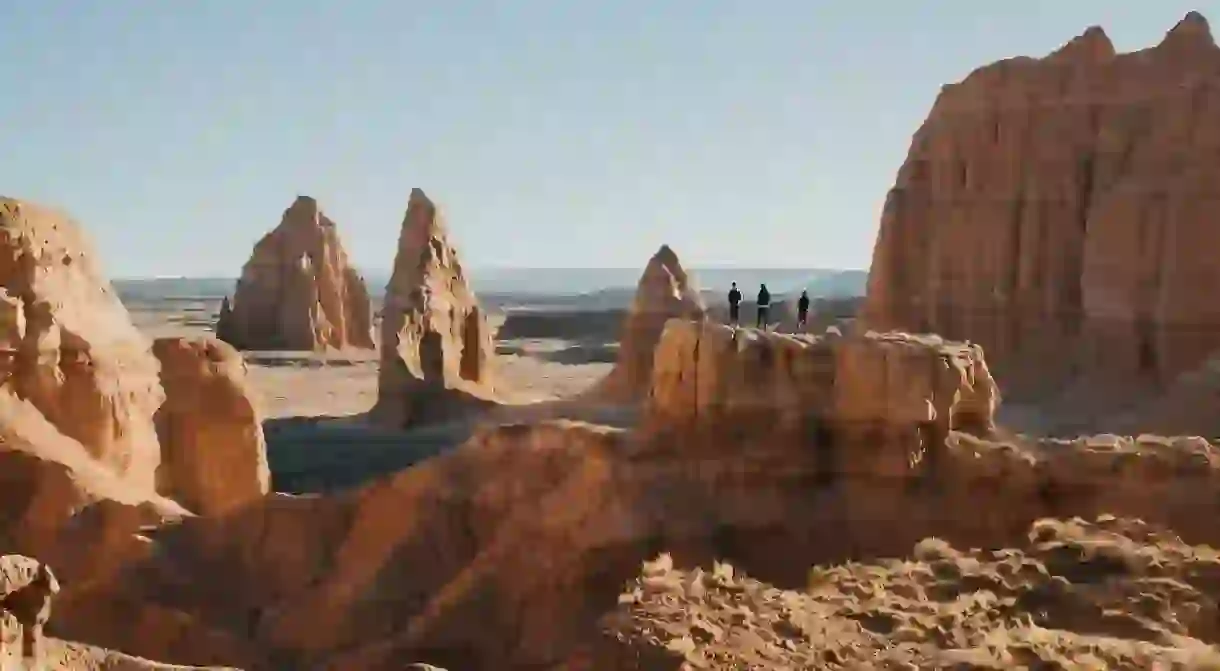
(213, 457)
(437, 354)
(27, 588)
(298, 291)
(68, 347)
(664, 292)
(1057, 210)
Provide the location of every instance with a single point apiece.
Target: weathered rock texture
(437, 354)
(78, 448)
(213, 457)
(1059, 211)
(1114, 594)
(68, 346)
(774, 452)
(298, 291)
(27, 590)
(714, 387)
(664, 292)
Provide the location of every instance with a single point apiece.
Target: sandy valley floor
(293, 384)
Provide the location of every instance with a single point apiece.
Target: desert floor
(314, 404)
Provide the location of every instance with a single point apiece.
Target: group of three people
(764, 307)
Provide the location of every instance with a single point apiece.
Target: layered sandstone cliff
(436, 348)
(213, 456)
(298, 291)
(664, 292)
(1058, 210)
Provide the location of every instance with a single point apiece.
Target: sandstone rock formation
(213, 457)
(298, 291)
(68, 345)
(78, 448)
(27, 590)
(819, 450)
(664, 292)
(1057, 211)
(715, 386)
(436, 349)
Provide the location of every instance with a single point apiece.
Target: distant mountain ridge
(593, 288)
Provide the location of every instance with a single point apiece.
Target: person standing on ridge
(734, 304)
(802, 310)
(764, 306)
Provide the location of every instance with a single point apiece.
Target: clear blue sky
(556, 133)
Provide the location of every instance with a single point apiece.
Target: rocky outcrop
(1061, 598)
(298, 291)
(68, 345)
(213, 456)
(436, 348)
(78, 448)
(664, 292)
(1058, 211)
(27, 590)
(717, 387)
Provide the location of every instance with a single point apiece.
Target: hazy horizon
(553, 134)
(820, 282)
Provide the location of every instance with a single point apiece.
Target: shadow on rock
(325, 454)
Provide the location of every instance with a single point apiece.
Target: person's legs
(762, 317)
(734, 311)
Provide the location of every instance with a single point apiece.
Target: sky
(554, 134)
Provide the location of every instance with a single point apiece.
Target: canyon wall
(1059, 211)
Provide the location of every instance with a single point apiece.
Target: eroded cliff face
(298, 290)
(716, 389)
(79, 451)
(68, 345)
(1059, 212)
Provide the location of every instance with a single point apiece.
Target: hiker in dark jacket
(764, 306)
(734, 304)
(802, 310)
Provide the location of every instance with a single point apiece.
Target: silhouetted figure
(764, 306)
(734, 305)
(802, 310)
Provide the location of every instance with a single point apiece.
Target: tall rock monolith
(436, 348)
